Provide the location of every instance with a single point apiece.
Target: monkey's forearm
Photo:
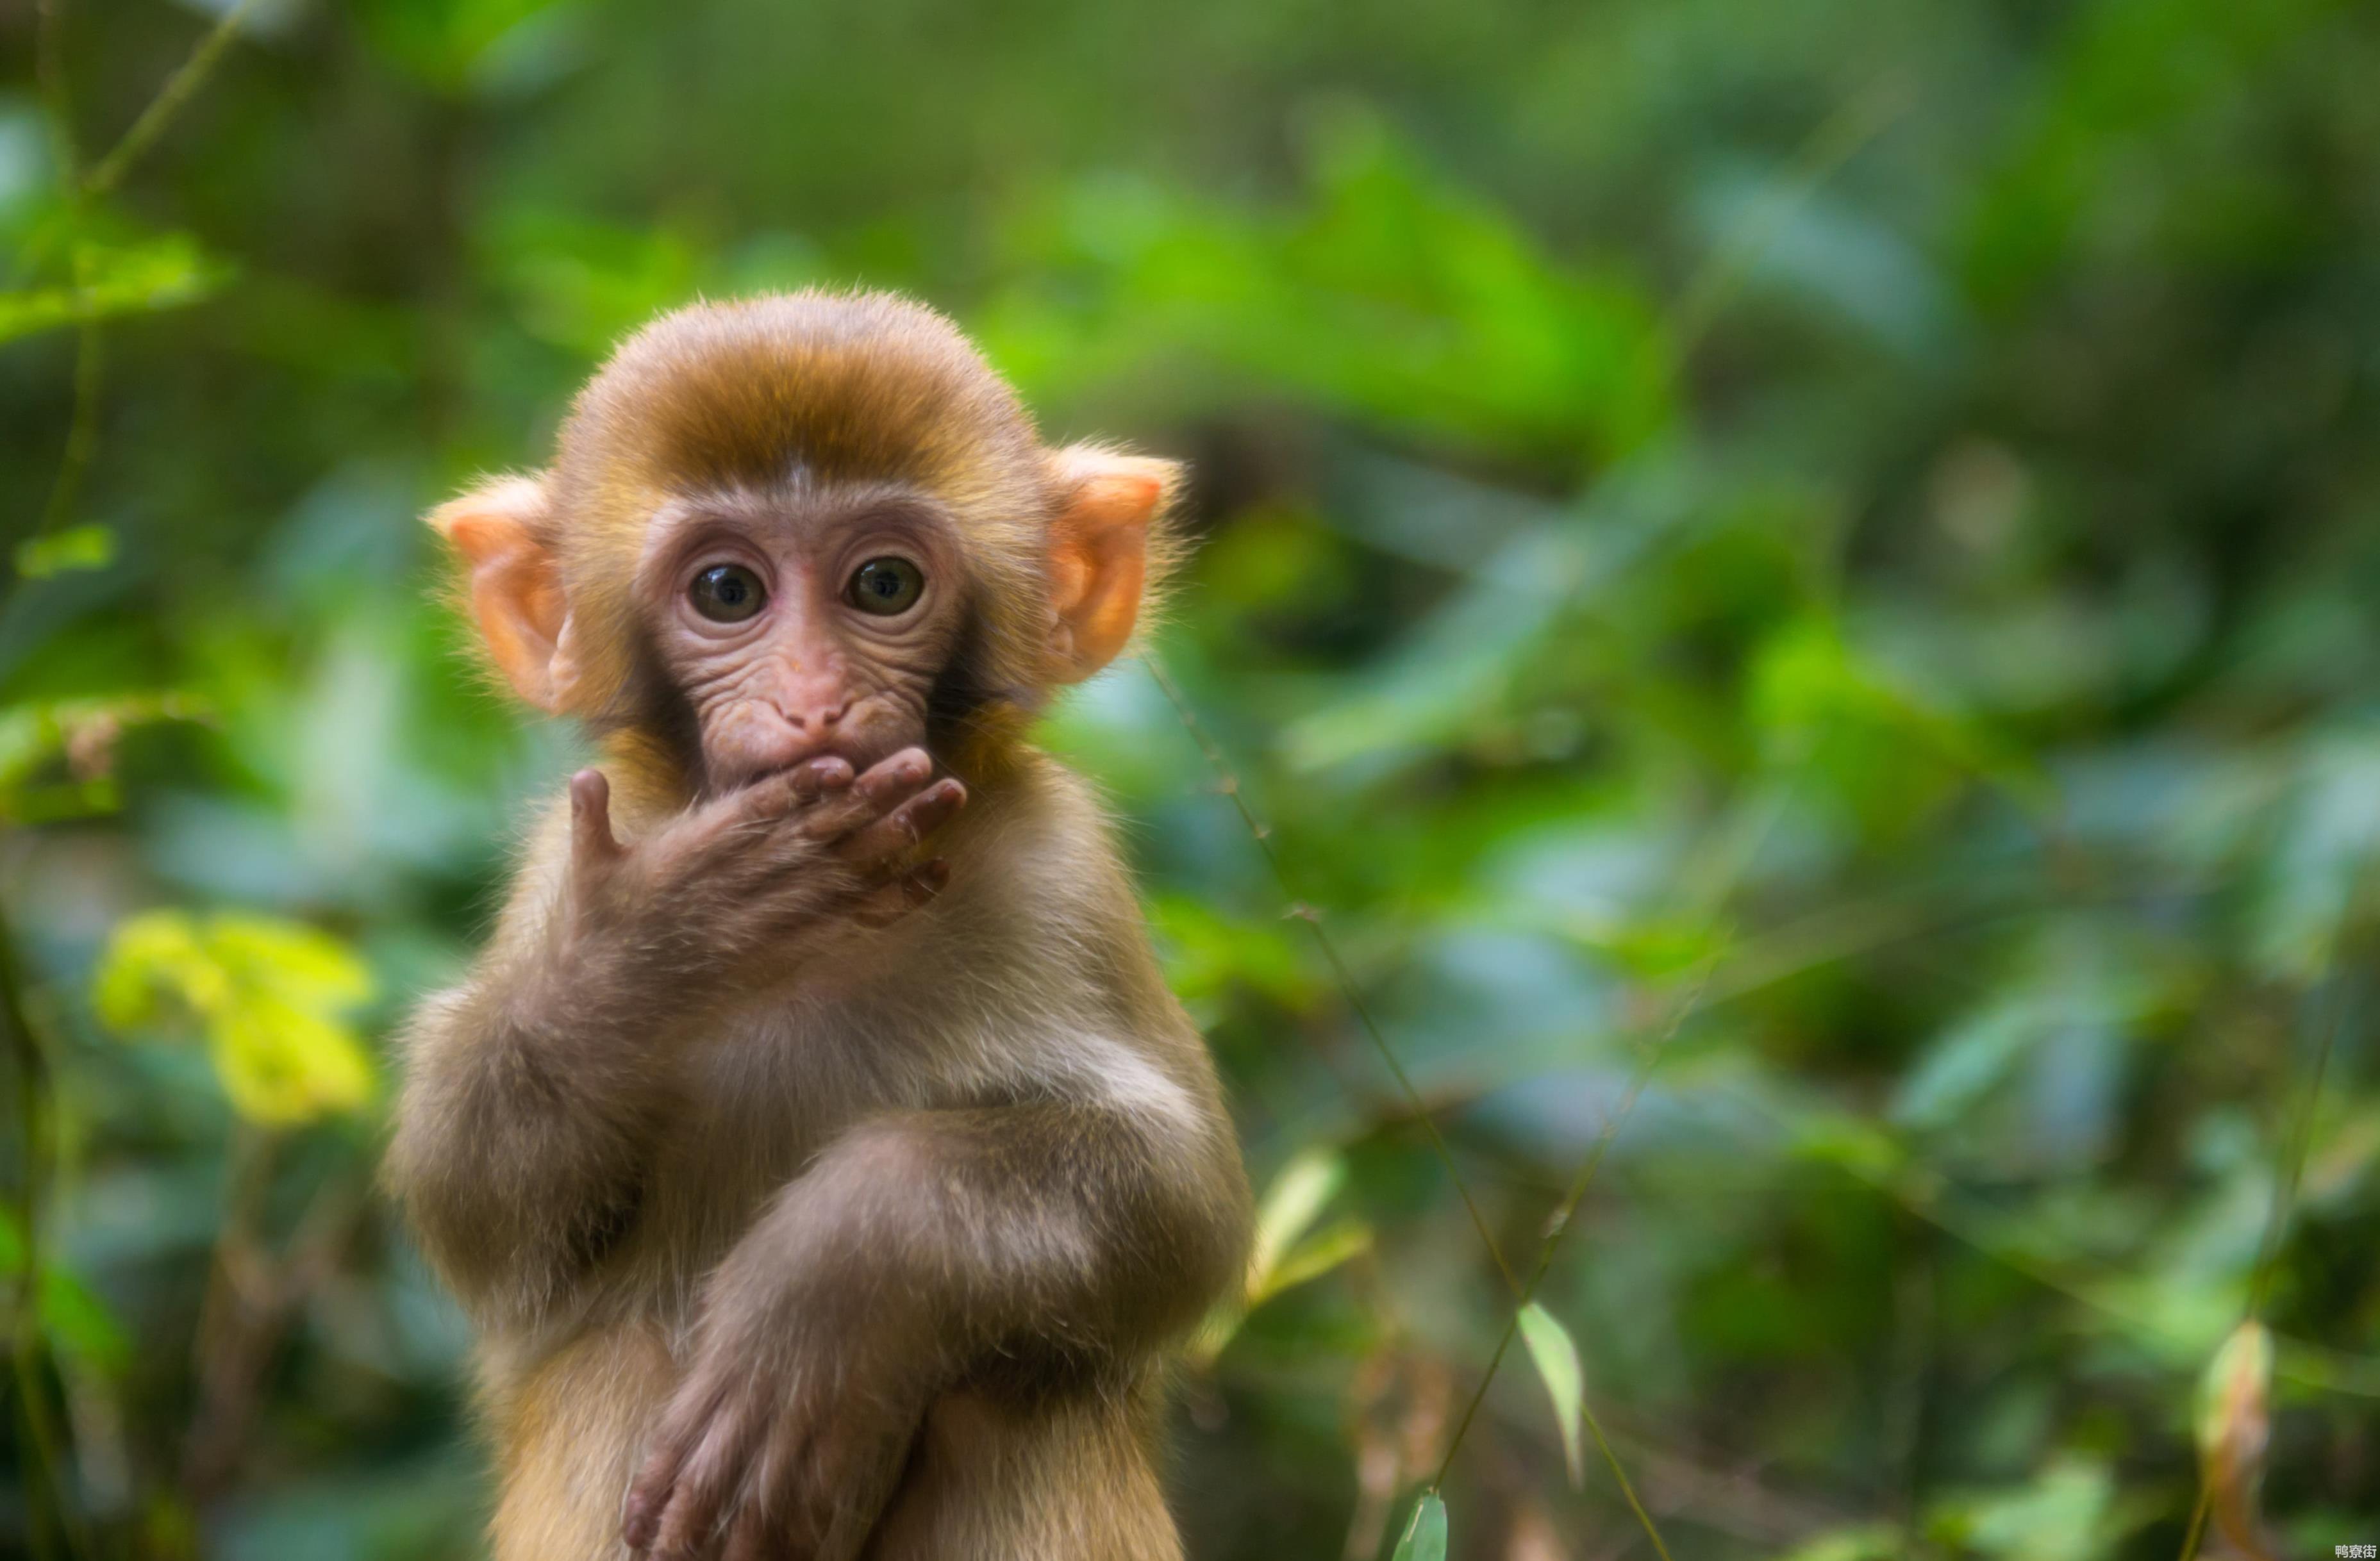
(529, 1105)
(1069, 1230)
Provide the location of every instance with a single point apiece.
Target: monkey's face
(806, 624)
(805, 524)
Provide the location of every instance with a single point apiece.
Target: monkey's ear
(515, 584)
(1099, 552)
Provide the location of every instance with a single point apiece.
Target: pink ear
(515, 586)
(1099, 552)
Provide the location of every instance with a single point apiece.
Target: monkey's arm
(534, 1092)
(922, 1247)
(1080, 1229)
(527, 1110)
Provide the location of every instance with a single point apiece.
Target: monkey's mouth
(859, 750)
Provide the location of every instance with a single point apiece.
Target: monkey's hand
(812, 1372)
(738, 876)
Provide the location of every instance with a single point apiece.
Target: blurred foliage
(1845, 530)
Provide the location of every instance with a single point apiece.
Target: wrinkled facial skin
(809, 672)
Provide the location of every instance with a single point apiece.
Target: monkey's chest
(759, 1100)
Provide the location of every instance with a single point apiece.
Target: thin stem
(46, 1444)
(2295, 1149)
(1522, 1293)
(2198, 1514)
(169, 102)
(50, 72)
(1831, 145)
(1230, 787)
(1571, 1199)
(82, 430)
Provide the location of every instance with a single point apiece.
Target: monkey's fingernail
(809, 780)
(936, 873)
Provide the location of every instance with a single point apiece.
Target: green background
(1840, 536)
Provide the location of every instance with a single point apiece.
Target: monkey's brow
(806, 504)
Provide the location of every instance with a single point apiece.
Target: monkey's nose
(824, 716)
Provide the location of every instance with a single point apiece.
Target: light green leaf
(78, 547)
(1314, 1256)
(266, 993)
(1278, 1259)
(151, 957)
(1556, 1360)
(160, 273)
(1311, 1180)
(303, 963)
(285, 1064)
(1425, 1535)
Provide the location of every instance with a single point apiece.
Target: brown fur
(975, 1155)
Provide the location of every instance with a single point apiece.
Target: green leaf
(1314, 1256)
(265, 992)
(1311, 1180)
(78, 547)
(1556, 1360)
(75, 1320)
(1425, 1535)
(144, 278)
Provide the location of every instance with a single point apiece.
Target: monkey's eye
(885, 585)
(726, 593)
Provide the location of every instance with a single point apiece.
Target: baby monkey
(816, 1145)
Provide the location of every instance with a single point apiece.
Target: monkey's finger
(706, 1484)
(890, 902)
(723, 833)
(884, 786)
(773, 796)
(591, 816)
(695, 1412)
(892, 837)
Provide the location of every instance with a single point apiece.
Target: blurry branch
(2233, 1438)
(1920, 1191)
(1521, 1294)
(1229, 783)
(50, 72)
(251, 1296)
(47, 1454)
(82, 430)
(1556, 1229)
(1834, 143)
(171, 98)
(28, 1348)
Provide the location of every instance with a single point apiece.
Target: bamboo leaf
(1314, 1256)
(1311, 1179)
(1425, 1535)
(1556, 1361)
